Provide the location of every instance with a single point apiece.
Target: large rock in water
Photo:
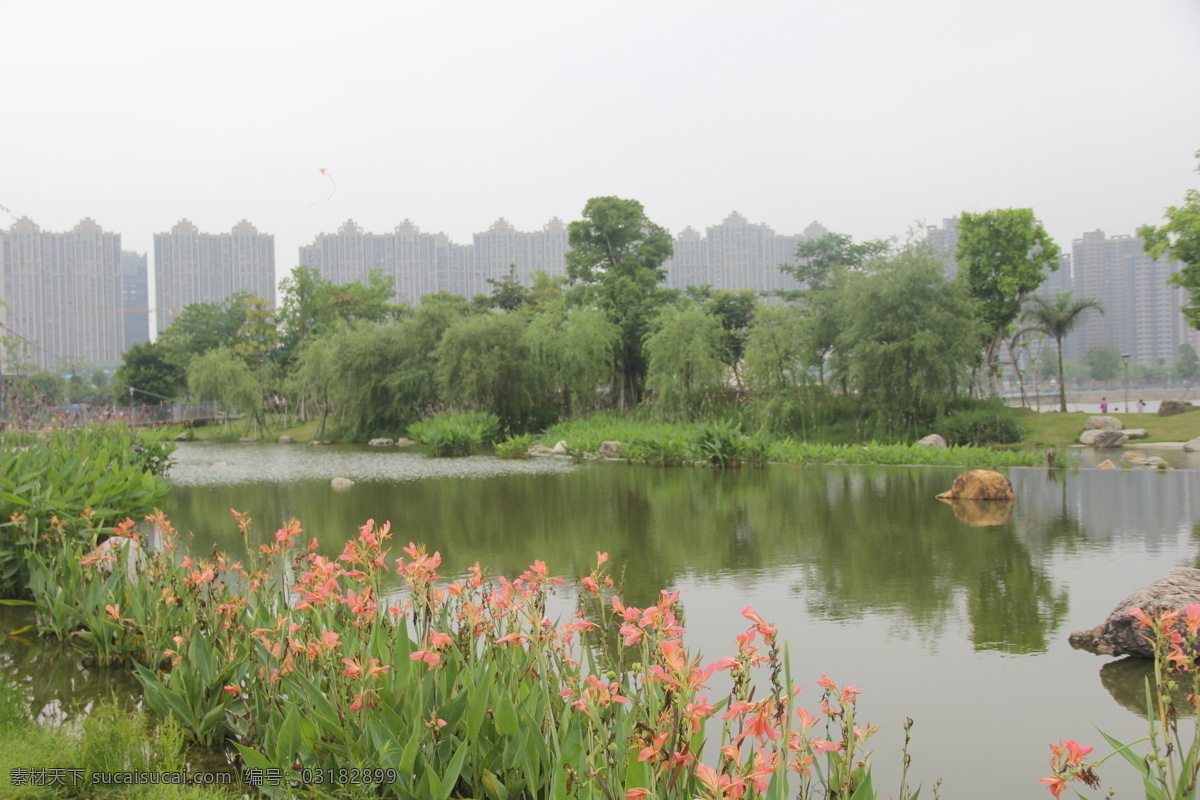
(933, 440)
(1117, 635)
(1099, 423)
(980, 484)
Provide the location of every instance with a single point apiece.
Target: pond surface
(869, 578)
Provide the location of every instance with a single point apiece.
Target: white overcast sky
(867, 115)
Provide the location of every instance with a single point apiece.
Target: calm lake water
(869, 578)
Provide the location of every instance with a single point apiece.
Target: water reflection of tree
(868, 540)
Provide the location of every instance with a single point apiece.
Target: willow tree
(615, 263)
(686, 354)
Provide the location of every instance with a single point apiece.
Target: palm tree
(1055, 318)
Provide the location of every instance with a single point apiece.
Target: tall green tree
(1103, 363)
(148, 373)
(1056, 317)
(735, 311)
(819, 261)
(575, 348)
(911, 336)
(823, 266)
(1188, 362)
(1180, 239)
(615, 262)
(221, 375)
(507, 293)
(201, 327)
(687, 355)
(483, 360)
(1003, 255)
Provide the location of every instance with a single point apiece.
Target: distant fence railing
(67, 416)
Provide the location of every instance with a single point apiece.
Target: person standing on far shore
(1141, 405)
(1103, 405)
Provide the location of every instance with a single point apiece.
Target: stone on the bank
(402, 442)
(1099, 423)
(611, 449)
(1192, 445)
(540, 450)
(1111, 439)
(1118, 636)
(183, 437)
(1106, 464)
(1136, 433)
(286, 440)
(341, 483)
(980, 484)
(933, 440)
(1133, 459)
(1089, 437)
(381, 443)
(559, 449)
(1169, 407)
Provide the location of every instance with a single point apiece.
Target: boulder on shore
(341, 483)
(286, 440)
(1099, 423)
(1118, 636)
(402, 442)
(1107, 464)
(1111, 439)
(933, 440)
(611, 449)
(381, 443)
(980, 484)
(1192, 445)
(1169, 407)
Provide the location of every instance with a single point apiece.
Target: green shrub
(515, 446)
(989, 424)
(719, 443)
(89, 480)
(449, 435)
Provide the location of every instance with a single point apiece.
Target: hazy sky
(867, 115)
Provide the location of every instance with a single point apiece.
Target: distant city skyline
(56, 285)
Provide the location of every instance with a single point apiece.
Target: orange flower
(1056, 785)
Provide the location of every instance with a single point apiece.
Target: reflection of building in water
(1104, 506)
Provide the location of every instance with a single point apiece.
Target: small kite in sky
(332, 192)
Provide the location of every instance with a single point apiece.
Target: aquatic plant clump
(450, 435)
(74, 485)
(460, 688)
(722, 444)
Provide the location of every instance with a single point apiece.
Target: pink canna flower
(353, 669)
(439, 639)
(428, 656)
(233, 690)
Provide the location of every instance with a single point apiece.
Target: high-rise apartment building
(1142, 314)
(62, 295)
(194, 267)
(135, 295)
(735, 255)
(426, 263)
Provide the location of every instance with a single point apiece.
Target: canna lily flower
(637, 794)
(429, 657)
(439, 639)
(1075, 751)
(233, 690)
(353, 669)
(1056, 785)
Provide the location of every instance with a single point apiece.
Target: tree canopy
(1003, 255)
(1180, 239)
(615, 262)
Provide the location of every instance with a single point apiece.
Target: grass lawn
(302, 432)
(1058, 429)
